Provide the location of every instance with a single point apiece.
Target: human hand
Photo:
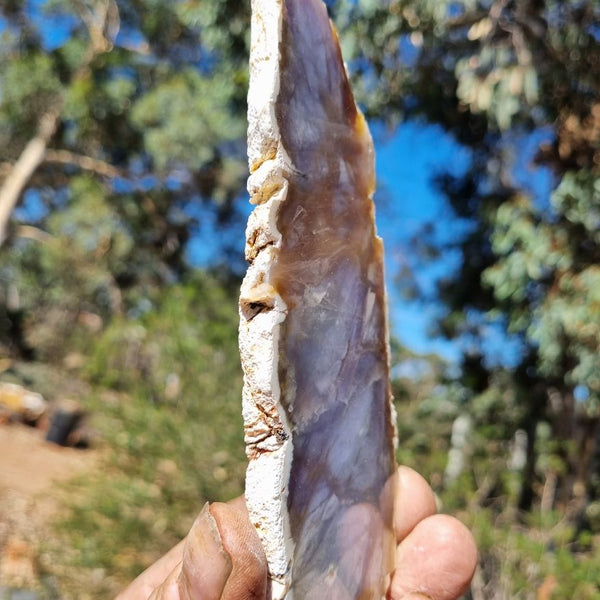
(436, 554)
(222, 558)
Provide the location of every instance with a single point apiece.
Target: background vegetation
(122, 160)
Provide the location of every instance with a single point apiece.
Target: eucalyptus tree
(121, 127)
(516, 82)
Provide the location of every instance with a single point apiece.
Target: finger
(206, 564)
(239, 504)
(169, 589)
(437, 559)
(414, 502)
(248, 578)
(143, 585)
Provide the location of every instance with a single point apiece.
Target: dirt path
(31, 472)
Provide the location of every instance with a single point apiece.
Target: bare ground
(31, 473)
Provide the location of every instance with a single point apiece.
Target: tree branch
(33, 233)
(26, 165)
(87, 163)
(103, 24)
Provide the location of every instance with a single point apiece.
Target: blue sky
(406, 201)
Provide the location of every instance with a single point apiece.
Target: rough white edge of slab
(269, 447)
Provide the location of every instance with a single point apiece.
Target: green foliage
(190, 332)
(571, 316)
(171, 436)
(520, 561)
(29, 86)
(185, 119)
(223, 25)
(577, 198)
(495, 76)
(555, 251)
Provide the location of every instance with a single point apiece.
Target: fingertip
(248, 577)
(414, 501)
(437, 559)
(206, 565)
(239, 504)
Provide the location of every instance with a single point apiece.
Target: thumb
(248, 578)
(222, 559)
(206, 565)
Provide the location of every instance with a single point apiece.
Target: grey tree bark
(25, 166)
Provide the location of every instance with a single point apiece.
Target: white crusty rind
(267, 433)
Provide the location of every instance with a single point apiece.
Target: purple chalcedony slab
(332, 365)
(333, 362)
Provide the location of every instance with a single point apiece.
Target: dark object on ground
(64, 421)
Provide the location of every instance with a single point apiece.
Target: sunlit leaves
(552, 284)
(529, 249)
(29, 86)
(578, 198)
(569, 321)
(186, 118)
(497, 90)
(223, 25)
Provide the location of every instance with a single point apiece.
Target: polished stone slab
(313, 334)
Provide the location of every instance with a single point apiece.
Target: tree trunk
(537, 401)
(461, 428)
(26, 165)
(585, 453)
(565, 434)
